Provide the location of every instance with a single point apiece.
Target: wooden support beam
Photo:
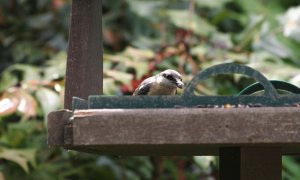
(248, 163)
(250, 141)
(230, 163)
(57, 120)
(261, 163)
(192, 131)
(84, 65)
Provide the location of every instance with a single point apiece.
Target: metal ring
(230, 68)
(278, 85)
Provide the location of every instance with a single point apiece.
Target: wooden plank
(84, 65)
(248, 163)
(185, 131)
(56, 123)
(146, 102)
(230, 163)
(261, 163)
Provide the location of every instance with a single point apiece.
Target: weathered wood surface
(248, 163)
(184, 131)
(261, 163)
(84, 65)
(57, 120)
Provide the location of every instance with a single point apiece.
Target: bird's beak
(179, 84)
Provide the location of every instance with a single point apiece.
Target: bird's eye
(169, 77)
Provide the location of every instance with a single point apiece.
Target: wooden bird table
(250, 135)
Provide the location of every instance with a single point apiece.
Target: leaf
(269, 42)
(146, 9)
(122, 77)
(30, 73)
(250, 32)
(58, 42)
(8, 105)
(291, 167)
(261, 7)
(144, 42)
(27, 105)
(2, 177)
(49, 100)
(28, 52)
(21, 157)
(7, 80)
(20, 134)
(109, 86)
(211, 4)
(291, 23)
(222, 41)
(104, 161)
(17, 99)
(139, 54)
(183, 19)
(204, 161)
(272, 67)
(131, 58)
(40, 21)
(21, 72)
(56, 67)
(293, 46)
(296, 80)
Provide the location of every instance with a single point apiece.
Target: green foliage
(140, 38)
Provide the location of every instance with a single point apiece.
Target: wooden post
(84, 65)
(261, 163)
(230, 162)
(247, 163)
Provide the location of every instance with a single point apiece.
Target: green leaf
(274, 70)
(28, 52)
(204, 161)
(291, 167)
(222, 41)
(138, 54)
(268, 41)
(20, 134)
(211, 3)
(146, 9)
(21, 157)
(49, 100)
(7, 80)
(13, 74)
(122, 77)
(131, 58)
(109, 86)
(56, 67)
(251, 31)
(270, 8)
(184, 19)
(293, 46)
(144, 42)
(40, 21)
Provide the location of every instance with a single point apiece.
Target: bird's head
(171, 78)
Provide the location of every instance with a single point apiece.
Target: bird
(164, 83)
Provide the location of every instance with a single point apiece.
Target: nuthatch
(165, 83)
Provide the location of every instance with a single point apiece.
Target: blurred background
(141, 38)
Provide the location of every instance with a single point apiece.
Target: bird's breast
(162, 90)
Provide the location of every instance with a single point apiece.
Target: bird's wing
(144, 87)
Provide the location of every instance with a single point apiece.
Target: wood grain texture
(56, 122)
(261, 163)
(230, 163)
(248, 163)
(84, 65)
(185, 131)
